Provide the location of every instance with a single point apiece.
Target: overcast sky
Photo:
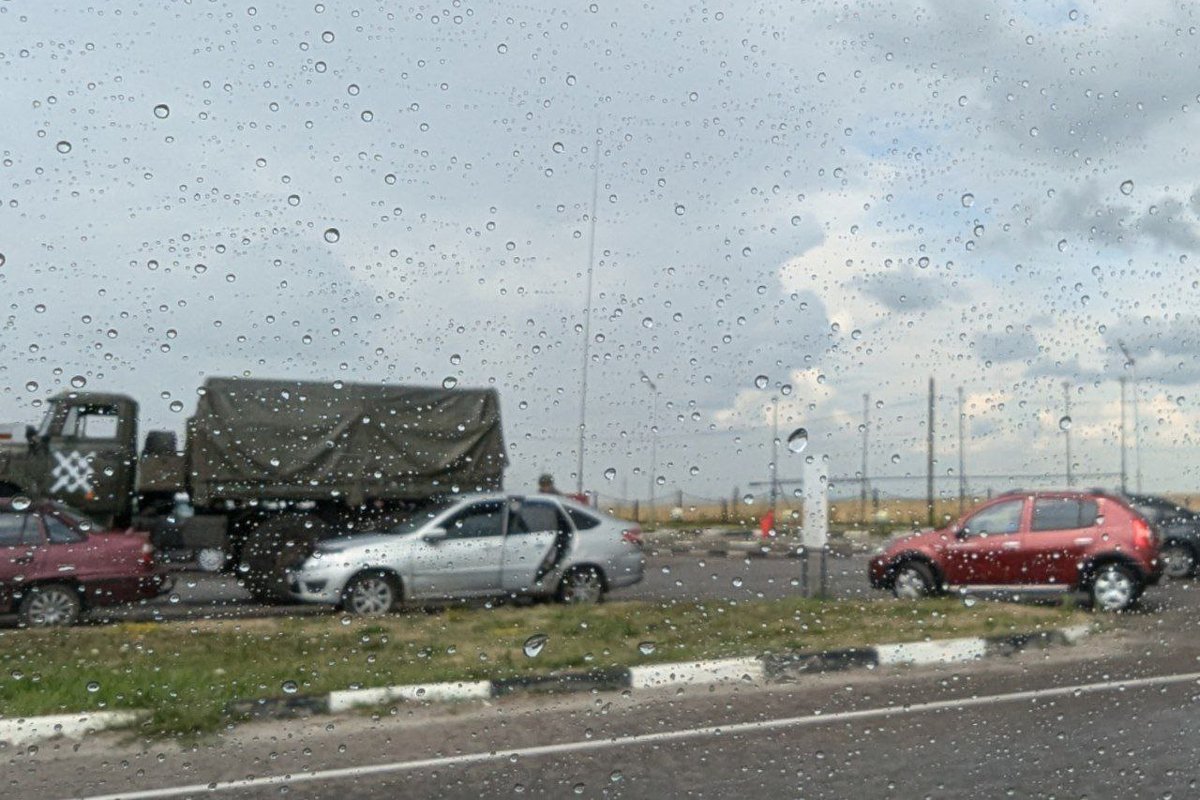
(807, 202)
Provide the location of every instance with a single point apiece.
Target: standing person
(546, 484)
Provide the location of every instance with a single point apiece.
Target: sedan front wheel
(370, 595)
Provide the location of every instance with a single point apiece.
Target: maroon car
(1061, 541)
(54, 563)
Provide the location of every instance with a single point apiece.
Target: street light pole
(653, 442)
(587, 321)
(1124, 486)
(774, 455)
(1067, 427)
(962, 458)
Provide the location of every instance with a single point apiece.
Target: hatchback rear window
(582, 520)
(1060, 513)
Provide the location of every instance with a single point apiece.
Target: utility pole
(1124, 487)
(1066, 427)
(587, 321)
(1137, 430)
(962, 458)
(862, 495)
(929, 465)
(774, 453)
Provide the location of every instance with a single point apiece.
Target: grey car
(478, 546)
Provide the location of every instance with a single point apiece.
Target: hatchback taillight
(1143, 538)
(147, 558)
(632, 535)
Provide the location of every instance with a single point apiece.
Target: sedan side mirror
(434, 536)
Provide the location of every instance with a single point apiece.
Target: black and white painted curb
(761, 670)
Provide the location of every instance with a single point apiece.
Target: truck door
(537, 539)
(92, 452)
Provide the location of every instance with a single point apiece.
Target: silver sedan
(477, 546)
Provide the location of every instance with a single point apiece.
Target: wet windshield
(832, 336)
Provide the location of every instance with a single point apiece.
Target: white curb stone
(19, 731)
(727, 670)
(433, 692)
(941, 652)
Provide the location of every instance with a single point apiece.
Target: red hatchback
(1063, 541)
(54, 563)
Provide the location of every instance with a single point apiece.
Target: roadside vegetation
(186, 673)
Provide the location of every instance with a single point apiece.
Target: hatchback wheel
(370, 595)
(1178, 560)
(48, 606)
(584, 586)
(1114, 588)
(912, 581)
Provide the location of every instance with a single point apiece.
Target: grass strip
(185, 673)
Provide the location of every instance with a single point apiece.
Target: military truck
(269, 466)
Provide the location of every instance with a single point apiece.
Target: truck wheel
(274, 547)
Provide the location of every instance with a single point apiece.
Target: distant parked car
(1178, 530)
(478, 546)
(1043, 541)
(54, 563)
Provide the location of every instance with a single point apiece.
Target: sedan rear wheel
(582, 586)
(370, 595)
(49, 606)
(1178, 560)
(1114, 588)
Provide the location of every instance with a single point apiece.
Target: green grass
(186, 673)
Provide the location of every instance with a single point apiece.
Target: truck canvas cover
(297, 440)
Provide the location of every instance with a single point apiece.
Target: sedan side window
(535, 517)
(1002, 518)
(59, 532)
(483, 519)
(1060, 514)
(16, 531)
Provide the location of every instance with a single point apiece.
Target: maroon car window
(1061, 513)
(1001, 518)
(59, 532)
(13, 529)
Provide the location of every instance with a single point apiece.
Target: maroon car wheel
(52, 605)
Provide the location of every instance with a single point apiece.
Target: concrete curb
(20, 731)
(765, 669)
(771, 668)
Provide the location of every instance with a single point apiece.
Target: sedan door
(465, 560)
(987, 549)
(20, 539)
(537, 540)
(1061, 530)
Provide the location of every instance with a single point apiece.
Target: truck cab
(83, 454)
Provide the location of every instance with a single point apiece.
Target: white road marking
(649, 738)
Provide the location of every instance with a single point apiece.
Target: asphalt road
(668, 578)
(1117, 716)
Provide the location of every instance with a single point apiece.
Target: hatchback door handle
(23, 560)
(1012, 545)
(1084, 540)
